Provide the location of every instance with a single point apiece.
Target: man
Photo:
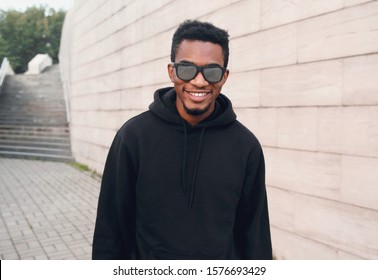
(185, 180)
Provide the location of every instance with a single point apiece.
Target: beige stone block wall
(302, 78)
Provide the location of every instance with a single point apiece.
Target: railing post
(3, 72)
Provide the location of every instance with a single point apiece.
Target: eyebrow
(190, 62)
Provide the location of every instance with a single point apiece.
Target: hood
(164, 106)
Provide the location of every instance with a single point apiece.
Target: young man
(185, 180)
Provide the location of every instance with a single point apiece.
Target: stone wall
(303, 79)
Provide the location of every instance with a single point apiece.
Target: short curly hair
(201, 31)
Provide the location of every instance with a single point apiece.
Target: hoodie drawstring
(184, 160)
(190, 191)
(196, 169)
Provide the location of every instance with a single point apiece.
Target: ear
(171, 72)
(225, 76)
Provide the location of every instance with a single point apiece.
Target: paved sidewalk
(47, 210)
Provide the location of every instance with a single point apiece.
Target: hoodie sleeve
(252, 230)
(114, 236)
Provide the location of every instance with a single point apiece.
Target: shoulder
(246, 138)
(138, 122)
(245, 133)
(135, 126)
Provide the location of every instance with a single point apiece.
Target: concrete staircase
(33, 120)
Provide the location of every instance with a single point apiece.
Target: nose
(199, 81)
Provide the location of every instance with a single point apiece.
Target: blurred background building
(303, 78)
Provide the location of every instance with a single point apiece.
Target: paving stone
(5, 244)
(10, 256)
(30, 254)
(61, 255)
(41, 257)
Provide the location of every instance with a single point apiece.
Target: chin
(196, 111)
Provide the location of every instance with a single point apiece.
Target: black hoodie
(175, 191)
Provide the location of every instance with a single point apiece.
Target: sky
(21, 5)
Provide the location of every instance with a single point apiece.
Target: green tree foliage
(25, 34)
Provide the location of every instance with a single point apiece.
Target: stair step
(29, 122)
(34, 128)
(11, 133)
(34, 138)
(27, 112)
(41, 130)
(62, 145)
(31, 148)
(38, 156)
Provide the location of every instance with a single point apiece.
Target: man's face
(196, 98)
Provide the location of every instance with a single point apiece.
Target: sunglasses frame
(198, 69)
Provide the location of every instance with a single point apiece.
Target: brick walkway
(47, 210)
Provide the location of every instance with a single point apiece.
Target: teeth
(198, 93)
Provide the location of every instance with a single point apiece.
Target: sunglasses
(187, 72)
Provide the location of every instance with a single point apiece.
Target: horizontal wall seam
(318, 152)
(322, 198)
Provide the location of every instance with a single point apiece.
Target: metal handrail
(3, 70)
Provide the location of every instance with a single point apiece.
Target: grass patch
(84, 168)
(79, 166)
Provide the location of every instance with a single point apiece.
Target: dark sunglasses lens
(213, 74)
(186, 72)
